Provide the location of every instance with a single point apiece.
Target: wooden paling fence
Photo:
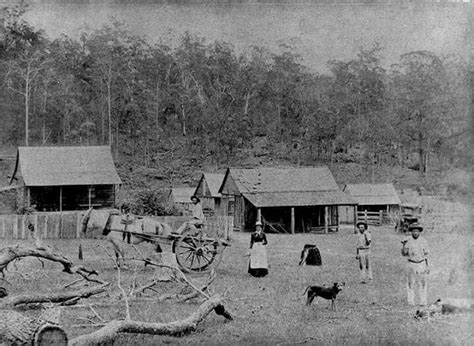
(67, 225)
(373, 218)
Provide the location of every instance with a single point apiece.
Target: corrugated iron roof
(55, 166)
(214, 182)
(299, 198)
(182, 194)
(373, 194)
(284, 179)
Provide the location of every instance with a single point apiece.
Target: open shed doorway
(277, 219)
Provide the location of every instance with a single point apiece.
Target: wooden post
(292, 220)
(89, 195)
(259, 214)
(380, 216)
(355, 218)
(15, 227)
(326, 219)
(28, 197)
(45, 233)
(60, 198)
(78, 225)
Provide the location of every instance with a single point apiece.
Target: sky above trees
(317, 32)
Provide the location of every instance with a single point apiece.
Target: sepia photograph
(251, 172)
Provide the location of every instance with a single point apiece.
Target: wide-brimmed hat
(417, 226)
(362, 223)
(258, 223)
(194, 196)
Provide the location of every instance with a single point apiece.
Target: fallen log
(111, 330)
(18, 329)
(9, 254)
(58, 297)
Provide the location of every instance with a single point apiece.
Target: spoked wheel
(196, 253)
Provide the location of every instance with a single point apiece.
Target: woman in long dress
(258, 265)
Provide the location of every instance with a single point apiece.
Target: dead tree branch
(10, 254)
(60, 297)
(111, 331)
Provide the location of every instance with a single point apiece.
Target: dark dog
(328, 293)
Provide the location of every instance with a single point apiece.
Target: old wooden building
(66, 178)
(284, 199)
(180, 199)
(208, 191)
(376, 203)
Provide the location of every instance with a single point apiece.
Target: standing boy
(416, 249)
(364, 240)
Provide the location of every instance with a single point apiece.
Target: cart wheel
(195, 254)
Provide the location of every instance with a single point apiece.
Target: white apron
(258, 256)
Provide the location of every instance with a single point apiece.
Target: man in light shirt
(416, 250)
(364, 240)
(197, 216)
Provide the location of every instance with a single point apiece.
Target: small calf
(328, 293)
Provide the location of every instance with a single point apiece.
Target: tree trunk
(111, 331)
(183, 119)
(27, 110)
(61, 297)
(109, 107)
(102, 115)
(17, 329)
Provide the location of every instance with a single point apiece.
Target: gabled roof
(182, 194)
(213, 181)
(59, 166)
(283, 179)
(373, 194)
(271, 187)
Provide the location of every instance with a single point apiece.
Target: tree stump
(18, 329)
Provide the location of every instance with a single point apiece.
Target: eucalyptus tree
(22, 74)
(16, 34)
(23, 58)
(356, 102)
(108, 50)
(420, 100)
(70, 92)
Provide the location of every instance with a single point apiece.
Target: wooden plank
(15, 227)
(292, 220)
(57, 229)
(78, 225)
(4, 226)
(326, 219)
(8, 231)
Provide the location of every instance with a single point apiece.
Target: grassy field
(271, 310)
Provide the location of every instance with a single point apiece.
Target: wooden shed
(376, 202)
(180, 198)
(208, 191)
(284, 199)
(66, 178)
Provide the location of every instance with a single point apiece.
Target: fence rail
(67, 225)
(373, 217)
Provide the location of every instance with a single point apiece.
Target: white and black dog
(328, 293)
